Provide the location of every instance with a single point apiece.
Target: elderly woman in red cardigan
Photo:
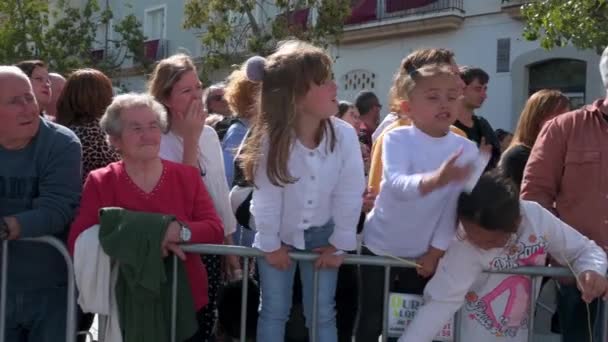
(142, 181)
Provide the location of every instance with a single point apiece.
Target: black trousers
(371, 289)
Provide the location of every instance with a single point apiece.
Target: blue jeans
(573, 317)
(276, 293)
(36, 316)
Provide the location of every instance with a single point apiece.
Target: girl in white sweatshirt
(426, 166)
(499, 232)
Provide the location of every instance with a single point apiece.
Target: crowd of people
(272, 159)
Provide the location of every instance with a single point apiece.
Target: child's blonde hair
(415, 60)
(241, 93)
(405, 81)
(286, 77)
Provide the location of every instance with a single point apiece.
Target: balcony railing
(366, 11)
(384, 19)
(513, 7)
(514, 2)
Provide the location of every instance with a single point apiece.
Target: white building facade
(482, 33)
(380, 33)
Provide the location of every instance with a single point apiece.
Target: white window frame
(152, 9)
(110, 33)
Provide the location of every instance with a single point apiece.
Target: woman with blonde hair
(175, 83)
(541, 107)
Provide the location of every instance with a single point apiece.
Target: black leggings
(403, 280)
(213, 264)
(199, 336)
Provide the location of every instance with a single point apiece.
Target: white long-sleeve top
(212, 163)
(404, 222)
(329, 186)
(496, 306)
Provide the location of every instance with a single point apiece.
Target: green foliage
(64, 36)
(233, 29)
(582, 23)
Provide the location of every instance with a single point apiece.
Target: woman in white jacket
(499, 232)
(175, 83)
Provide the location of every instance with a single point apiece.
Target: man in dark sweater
(40, 184)
(369, 107)
(476, 127)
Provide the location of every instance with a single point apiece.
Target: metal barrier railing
(535, 272)
(71, 295)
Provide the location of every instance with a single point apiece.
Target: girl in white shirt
(174, 83)
(500, 232)
(308, 175)
(425, 168)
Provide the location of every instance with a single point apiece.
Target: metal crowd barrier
(535, 272)
(71, 301)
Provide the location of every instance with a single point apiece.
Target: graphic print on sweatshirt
(503, 310)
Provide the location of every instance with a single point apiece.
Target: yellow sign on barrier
(402, 310)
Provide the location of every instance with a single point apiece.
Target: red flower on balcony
(298, 19)
(151, 49)
(362, 11)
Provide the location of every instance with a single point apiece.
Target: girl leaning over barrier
(498, 231)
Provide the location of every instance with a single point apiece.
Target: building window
(566, 75)
(155, 23)
(354, 82)
(100, 34)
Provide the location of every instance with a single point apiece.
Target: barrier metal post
(315, 305)
(70, 329)
(605, 322)
(3, 290)
(456, 328)
(533, 286)
(174, 301)
(244, 300)
(387, 286)
(102, 322)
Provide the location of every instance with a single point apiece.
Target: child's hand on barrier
(279, 258)
(329, 258)
(428, 262)
(592, 285)
(170, 243)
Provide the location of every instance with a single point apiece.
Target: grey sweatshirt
(40, 185)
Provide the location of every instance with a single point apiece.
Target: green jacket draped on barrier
(143, 288)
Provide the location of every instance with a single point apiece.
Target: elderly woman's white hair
(111, 123)
(604, 68)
